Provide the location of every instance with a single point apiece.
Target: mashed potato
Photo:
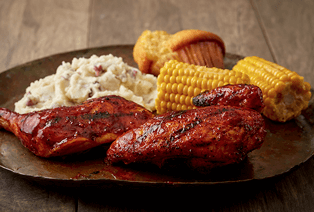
(83, 79)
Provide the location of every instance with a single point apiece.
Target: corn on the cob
(285, 93)
(179, 82)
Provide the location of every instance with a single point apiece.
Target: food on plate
(154, 48)
(87, 78)
(179, 82)
(241, 95)
(198, 47)
(204, 138)
(66, 130)
(285, 93)
(151, 52)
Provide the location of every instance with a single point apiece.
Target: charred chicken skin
(241, 95)
(66, 130)
(210, 136)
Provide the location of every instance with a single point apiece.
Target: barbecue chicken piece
(209, 136)
(65, 130)
(179, 82)
(241, 95)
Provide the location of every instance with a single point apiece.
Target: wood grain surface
(280, 31)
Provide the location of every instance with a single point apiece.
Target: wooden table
(280, 31)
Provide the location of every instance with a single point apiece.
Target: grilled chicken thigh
(209, 136)
(65, 130)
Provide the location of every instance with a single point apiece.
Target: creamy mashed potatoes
(84, 78)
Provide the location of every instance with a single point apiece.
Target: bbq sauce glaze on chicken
(221, 131)
(66, 130)
(241, 95)
(215, 135)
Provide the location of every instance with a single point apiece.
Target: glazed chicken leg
(65, 130)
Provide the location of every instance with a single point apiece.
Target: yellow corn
(285, 93)
(179, 82)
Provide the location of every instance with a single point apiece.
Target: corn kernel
(163, 86)
(280, 86)
(180, 88)
(196, 91)
(233, 80)
(184, 80)
(182, 99)
(175, 72)
(166, 97)
(172, 97)
(169, 105)
(166, 78)
(169, 88)
(161, 94)
(178, 79)
(177, 98)
(191, 91)
(215, 84)
(204, 83)
(194, 81)
(174, 88)
(172, 79)
(226, 78)
(173, 106)
(186, 90)
(184, 107)
(187, 100)
(272, 93)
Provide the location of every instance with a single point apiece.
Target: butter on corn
(285, 93)
(179, 82)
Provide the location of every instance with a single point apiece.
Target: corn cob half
(285, 93)
(179, 82)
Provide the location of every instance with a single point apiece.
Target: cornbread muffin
(151, 51)
(198, 47)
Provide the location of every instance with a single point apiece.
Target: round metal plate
(286, 146)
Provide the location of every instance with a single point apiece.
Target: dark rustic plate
(286, 146)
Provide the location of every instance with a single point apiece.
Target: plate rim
(120, 181)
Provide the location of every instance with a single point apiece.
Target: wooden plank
(10, 21)
(21, 194)
(128, 21)
(289, 29)
(32, 29)
(280, 194)
(234, 21)
(242, 28)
